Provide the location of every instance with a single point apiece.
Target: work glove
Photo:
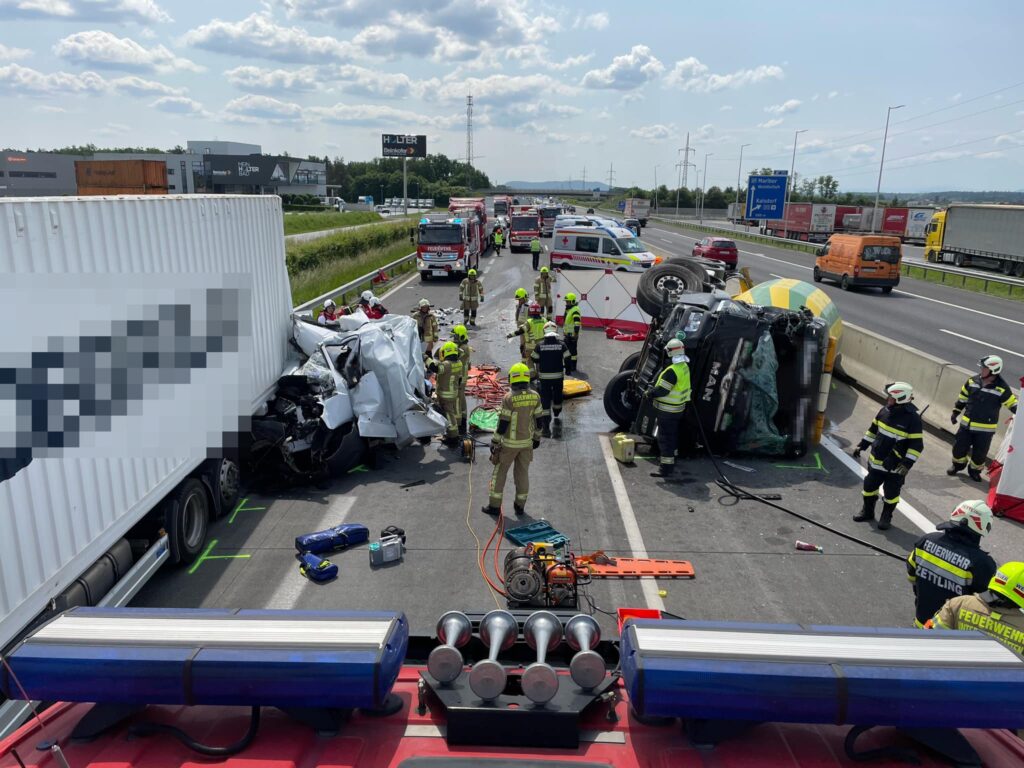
(857, 451)
(536, 443)
(509, 335)
(901, 470)
(954, 417)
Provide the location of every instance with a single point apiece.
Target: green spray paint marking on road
(207, 556)
(242, 508)
(360, 468)
(816, 465)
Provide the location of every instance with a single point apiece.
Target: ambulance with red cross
(604, 245)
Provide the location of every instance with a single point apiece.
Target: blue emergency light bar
(343, 659)
(818, 674)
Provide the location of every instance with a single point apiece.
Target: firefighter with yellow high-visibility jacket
(461, 338)
(571, 329)
(977, 412)
(449, 372)
(998, 612)
(896, 440)
(522, 305)
(515, 437)
(532, 332)
(949, 562)
(670, 394)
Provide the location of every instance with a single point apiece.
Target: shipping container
(124, 174)
(175, 312)
(96, 191)
(979, 235)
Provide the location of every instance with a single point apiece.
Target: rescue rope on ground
(486, 385)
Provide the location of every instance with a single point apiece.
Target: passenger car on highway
(717, 248)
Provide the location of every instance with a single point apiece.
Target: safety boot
(519, 510)
(974, 474)
(546, 431)
(462, 426)
(885, 519)
(488, 509)
(664, 470)
(868, 512)
(953, 470)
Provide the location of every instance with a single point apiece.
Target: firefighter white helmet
(993, 362)
(900, 391)
(329, 304)
(365, 296)
(975, 515)
(550, 329)
(675, 347)
(425, 303)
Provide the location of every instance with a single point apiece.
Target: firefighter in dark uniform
(670, 394)
(571, 329)
(950, 562)
(551, 362)
(514, 440)
(896, 440)
(977, 411)
(998, 612)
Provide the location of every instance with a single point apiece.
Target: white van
(601, 245)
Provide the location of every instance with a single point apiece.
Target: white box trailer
(982, 235)
(918, 220)
(139, 334)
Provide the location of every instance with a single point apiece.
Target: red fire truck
(525, 225)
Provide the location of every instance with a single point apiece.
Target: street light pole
(739, 171)
(703, 191)
(679, 181)
(656, 186)
(792, 169)
(878, 190)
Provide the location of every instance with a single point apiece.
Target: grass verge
(298, 223)
(318, 280)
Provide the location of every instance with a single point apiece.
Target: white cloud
(178, 105)
(656, 132)
(860, 151)
(535, 56)
(449, 49)
(19, 80)
(274, 80)
(956, 97)
(497, 89)
(372, 115)
(13, 54)
(991, 155)
(595, 21)
(114, 129)
(370, 82)
(725, 108)
(262, 109)
(112, 11)
(400, 36)
(626, 72)
(832, 94)
(691, 75)
(258, 35)
(790, 105)
(136, 86)
(527, 114)
(99, 48)
(50, 109)
(773, 123)
(1010, 140)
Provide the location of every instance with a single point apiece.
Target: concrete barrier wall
(874, 361)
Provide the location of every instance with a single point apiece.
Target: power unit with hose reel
(545, 575)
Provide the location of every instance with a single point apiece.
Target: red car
(719, 249)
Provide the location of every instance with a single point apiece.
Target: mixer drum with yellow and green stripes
(793, 294)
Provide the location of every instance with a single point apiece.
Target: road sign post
(766, 197)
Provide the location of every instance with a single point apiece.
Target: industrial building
(209, 167)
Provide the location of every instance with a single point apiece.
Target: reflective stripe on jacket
(552, 357)
(944, 564)
(573, 321)
(672, 390)
(895, 436)
(980, 403)
(517, 419)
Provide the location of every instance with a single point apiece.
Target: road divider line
(979, 341)
(633, 536)
(905, 508)
(957, 306)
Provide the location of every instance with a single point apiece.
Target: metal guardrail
(357, 284)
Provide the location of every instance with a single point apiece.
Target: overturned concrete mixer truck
(756, 369)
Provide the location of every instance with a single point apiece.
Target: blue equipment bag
(338, 537)
(316, 568)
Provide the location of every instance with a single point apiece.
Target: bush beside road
(316, 222)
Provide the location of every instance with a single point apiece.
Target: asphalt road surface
(743, 552)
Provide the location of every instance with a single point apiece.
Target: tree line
(434, 176)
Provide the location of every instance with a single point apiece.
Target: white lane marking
(290, 590)
(982, 343)
(905, 293)
(398, 286)
(666, 240)
(905, 508)
(636, 541)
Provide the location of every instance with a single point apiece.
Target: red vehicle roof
(407, 739)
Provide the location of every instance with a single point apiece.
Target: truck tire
(187, 520)
(674, 278)
(958, 259)
(619, 402)
(1018, 271)
(631, 362)
(227, 484)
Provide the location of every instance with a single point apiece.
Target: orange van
(860, 260)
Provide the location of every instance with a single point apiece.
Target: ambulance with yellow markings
(605, 245)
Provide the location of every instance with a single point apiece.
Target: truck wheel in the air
(631, 362)
(674, 278)
(619, 402)
(187, 520)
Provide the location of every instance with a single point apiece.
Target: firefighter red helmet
(534, 308)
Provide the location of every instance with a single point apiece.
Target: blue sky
(559, 86)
